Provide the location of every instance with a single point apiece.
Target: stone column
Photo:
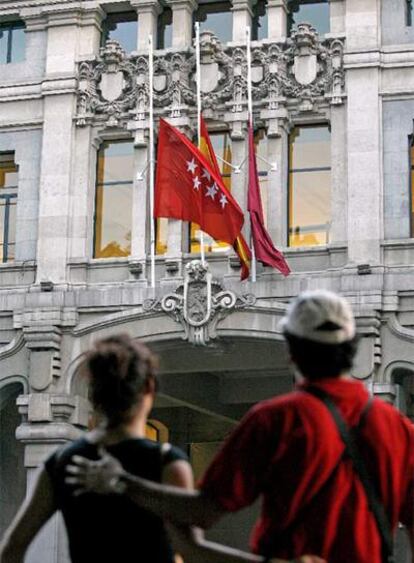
(364, 123)
(59, 90)
(337, 16)
(182, 13)
(277, 11)
(148, 11)
(242, 17)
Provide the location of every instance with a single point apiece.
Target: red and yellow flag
(240, 245)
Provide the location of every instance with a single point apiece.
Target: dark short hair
(117, 368)
(316, 360)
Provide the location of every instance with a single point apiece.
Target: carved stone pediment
(199, 304)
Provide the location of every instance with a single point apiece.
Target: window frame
(10, 26)
(102, 185)
(310, 169)
(8, 157)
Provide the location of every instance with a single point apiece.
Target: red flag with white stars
(188, 188)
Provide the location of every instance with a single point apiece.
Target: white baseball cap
(320, 316)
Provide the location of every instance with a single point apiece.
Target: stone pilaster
(363, 25)
(182, 11)
(277, 11)
(337, 16)
(339, 205)
(242, 17)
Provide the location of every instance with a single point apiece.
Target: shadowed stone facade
(220, 347)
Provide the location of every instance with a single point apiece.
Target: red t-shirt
(288, 450)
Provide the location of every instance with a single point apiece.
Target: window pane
(218, 18)
(161, 244)
(18, 44)
(122, 27)
(4, 42)
(315, 13)
(260, 21)
(221, 142)
(165, 29)
(309, 186)
(113, 219)
(412, 188)
(8, 171)
(12, 220)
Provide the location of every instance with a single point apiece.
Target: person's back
(289, 450)
(113, 528)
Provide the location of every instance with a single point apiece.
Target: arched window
(260, 21)
(122, 27)
(164, 33)
(113, 202)
(309, 189)
(315, 12)
(12, 471)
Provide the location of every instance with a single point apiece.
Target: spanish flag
(240, 245)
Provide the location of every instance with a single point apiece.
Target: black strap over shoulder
(351, 449)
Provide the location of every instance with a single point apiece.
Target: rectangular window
(164, 34)
(216, 17)
(113, 204)
(221, 142)
(122, 27)
(12, 42)
(315, 12)
(260, 21)
(8, 202)
(309, 189)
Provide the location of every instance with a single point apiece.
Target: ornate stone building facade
(333, 96)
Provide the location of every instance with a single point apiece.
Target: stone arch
(400, 375)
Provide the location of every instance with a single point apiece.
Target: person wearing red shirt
(288, 451)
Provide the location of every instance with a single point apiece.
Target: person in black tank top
(122, 382)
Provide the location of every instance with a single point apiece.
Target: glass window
(113, 216)
(309, 185)
(12, 42)
(221, 142)
(164, 35)
(216, 17)
(409, 12)
(122, 27)
(316, 13)
(8, 202)
(412, 186)
(260, 21)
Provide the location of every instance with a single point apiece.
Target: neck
(134, 428)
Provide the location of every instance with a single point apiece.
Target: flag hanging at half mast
(188, 188)
(240, 245)
(264, 248)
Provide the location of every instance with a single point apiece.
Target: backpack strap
(353, 452)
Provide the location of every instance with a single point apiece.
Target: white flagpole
(151, 153)
(250, 118)
(198, 81)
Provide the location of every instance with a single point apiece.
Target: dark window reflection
(113, 218)
(122, 27)
(315, 13)
(409, 12)
(164, 36)
(12, 42)
(216, 17)
(260, 21)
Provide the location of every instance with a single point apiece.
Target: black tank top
(111, 528)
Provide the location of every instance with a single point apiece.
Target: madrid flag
(240, 245)
(263, 246)
(188, 188)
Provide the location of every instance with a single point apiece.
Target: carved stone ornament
(199, 304)
(303, 71)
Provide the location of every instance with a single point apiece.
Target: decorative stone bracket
(114, 86)
(199, 304)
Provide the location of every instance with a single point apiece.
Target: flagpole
(250, 118)
(198, 81)
(151, 153)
